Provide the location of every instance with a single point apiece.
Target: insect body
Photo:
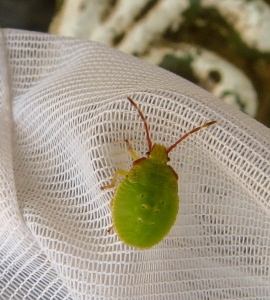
(145, 204)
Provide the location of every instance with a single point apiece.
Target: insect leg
(132, 151)
(118, 173)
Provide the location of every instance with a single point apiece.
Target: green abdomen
(146, 204)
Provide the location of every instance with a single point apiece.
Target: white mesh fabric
(64, 118)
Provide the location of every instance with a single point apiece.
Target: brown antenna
(187, 134)
(144, 122)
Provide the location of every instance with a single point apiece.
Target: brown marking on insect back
(138, 161)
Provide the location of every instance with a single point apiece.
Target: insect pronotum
(145, 204)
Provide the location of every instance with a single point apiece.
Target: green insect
(145, 204)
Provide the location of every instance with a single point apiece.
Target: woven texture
(64, 117)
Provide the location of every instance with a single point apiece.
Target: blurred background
(221, 45)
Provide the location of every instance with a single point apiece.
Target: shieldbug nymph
(145, 204)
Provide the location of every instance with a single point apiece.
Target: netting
(64, 117)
